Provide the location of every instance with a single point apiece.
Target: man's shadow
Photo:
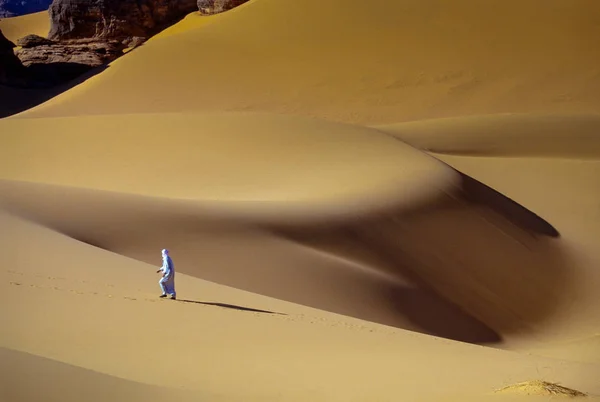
(230, 306)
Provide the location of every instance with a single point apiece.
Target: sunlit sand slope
(540, 135)
(97, 311)
(25, 378)
(333, 216)
(17, 27)
(347, 60)
(234, 161)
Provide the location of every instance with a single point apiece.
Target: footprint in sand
(76, 292)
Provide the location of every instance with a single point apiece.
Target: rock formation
(87, 52)
(51, 62)
(40, 62)
(12, 71)
(33, 41)
(114, 19)
(85, 34)
(217, 6)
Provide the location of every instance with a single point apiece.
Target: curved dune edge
(252, 356)
(406, 268)
(536, 134)
(55, 380)
(190, 22)
(195, 20)
(342, 61)
(17, 27)
(277, 163)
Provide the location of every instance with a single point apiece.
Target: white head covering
(165, 252)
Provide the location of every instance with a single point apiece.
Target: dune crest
(17, 27)
(536, 134)
(385, 200)
(296, 163)
(344, 61)
(216, 347)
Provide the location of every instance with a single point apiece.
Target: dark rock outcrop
(42, 63)
(33, 41)
(218, 6)
(133, 42)
(86, 34)
(114, 19)
(52, 62)
(12, 71)
(11, 8)
(89, 52)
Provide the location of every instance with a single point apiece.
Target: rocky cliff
(115, 19)
(51, 62)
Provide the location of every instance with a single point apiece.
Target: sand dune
(441, 249)
(17, 27)
(97, 311)
(346, 208)
(379, 63)
(56, 381)
(296, 163)
(373, 192)
(541, 135)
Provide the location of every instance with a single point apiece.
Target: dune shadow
(413, 305)
(433, 315)
(475, 192)
(469, 265)
(479, 250)
(230, 306)
(49, 81)
(481, 266)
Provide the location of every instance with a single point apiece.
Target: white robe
(167, 282)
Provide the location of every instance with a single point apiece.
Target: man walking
(167, 282)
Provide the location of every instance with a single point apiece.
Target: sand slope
(556, 135)
(56, 381)
(332, 207)
(17, 27)
(426, 260)
(247, 158)
(69, 292)
(379, 63)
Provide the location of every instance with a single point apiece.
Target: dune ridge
(342, 61)
(383, 201)
(17, 27)
(212, 148)
(553, 135)
(49, 285)
(56, 381)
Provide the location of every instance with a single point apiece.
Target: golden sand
(364, 202)
(17, 27)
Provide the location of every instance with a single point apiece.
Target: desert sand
(363, 203)
(15, 28)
